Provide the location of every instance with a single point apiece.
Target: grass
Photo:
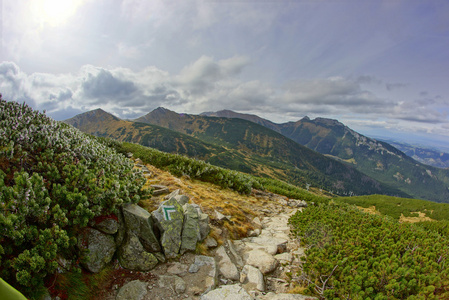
(396, 207)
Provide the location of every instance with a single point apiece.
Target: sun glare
(57, 12)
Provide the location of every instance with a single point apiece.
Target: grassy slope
(264, 149)
(395, 207)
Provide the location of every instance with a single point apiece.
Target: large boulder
(173, 282)
(191, 229)
(136, 290)
(227, 292)
(204, 225)
(169, 219)
(265, 262)
(252, 278)
(225, 266)
(182, 199)
(139, 222)
(206, 269)
(106, 224)
(97, 249)
(133, 256)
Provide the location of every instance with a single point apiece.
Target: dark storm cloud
(105, 86)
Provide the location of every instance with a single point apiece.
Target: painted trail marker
(167, 210)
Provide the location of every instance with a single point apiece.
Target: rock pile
(141, 239)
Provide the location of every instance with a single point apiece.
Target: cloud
(104, 85)
(208, 84)
(394, 86)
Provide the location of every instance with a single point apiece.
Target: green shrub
(53, 180)
(354, 255)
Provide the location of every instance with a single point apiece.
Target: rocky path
(260, 266)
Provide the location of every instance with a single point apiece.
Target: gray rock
(97, 249)
(279, 244)
(252, 278)
(177, 194)
(265, 262)
(225, 266)
(284, 258)
(136, 290)
(237, 258)
(169, 218)
(138, 161)
(139, 222)
(191, 229)
(227, 292)
(173, 282)
(173, 194)
(133, 256)
(210, 242)
(208, 268)
(282, 296)
(221, 217)
(159, 189)
(121, 232)
(296, 203)
(204, 225)
(257, 223)
(178, 268)
(106, 225)
(182, 199)
(254, 233)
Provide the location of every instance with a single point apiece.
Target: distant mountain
(103, 124)
(376, 159)
(266, 152)
(422, 154)
(249, 117)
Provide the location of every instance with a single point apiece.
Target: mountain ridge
(375, 158)
(253, 149)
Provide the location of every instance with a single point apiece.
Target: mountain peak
(95, 115)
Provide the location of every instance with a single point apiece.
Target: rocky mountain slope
(249, 147)
(377, 159)
(427, 156)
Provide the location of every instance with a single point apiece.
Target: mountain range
(321, 152)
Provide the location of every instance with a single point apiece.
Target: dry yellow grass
(371, 210)
(210, 197)
(420, 218)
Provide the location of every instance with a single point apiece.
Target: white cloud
(209, 84)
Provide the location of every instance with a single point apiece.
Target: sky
(379, 67)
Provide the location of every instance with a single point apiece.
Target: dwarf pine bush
(53, 180)
(354, 255)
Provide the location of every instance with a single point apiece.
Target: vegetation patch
(53, 180)
(354, 255)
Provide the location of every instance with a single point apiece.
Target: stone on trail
(133, 256)
(97, 249)
(252, 278)
(191, 229)
(210, 242)
(227, 292)
(136, 290)
(178, 268)
(169, 218)
(265, 262)
(283, 296)
(225, 265)
(173, 282)
(139, 222)
(207, 268)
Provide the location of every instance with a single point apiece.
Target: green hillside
(54, 179)
(259, 151)
(377, 159)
